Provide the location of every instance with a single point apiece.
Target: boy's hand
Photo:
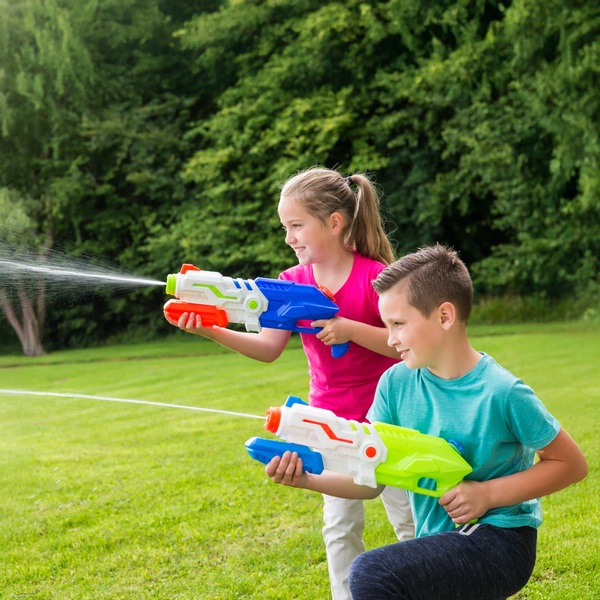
(286, 470)
(465, 502)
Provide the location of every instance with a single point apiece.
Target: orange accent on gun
(211, 315)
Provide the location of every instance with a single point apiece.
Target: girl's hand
(465, 502)
(286, 470)
(190, 322)
(334, 331)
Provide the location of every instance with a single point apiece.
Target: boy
(445, 388)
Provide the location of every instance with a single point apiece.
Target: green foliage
(152, 133)
(16, 227)
(480, 119)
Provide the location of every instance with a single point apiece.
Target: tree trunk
(30, 307)
(27, 328)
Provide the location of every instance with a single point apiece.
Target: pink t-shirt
(345, 385)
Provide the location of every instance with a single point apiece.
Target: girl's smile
(310, 239)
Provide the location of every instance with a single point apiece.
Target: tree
(44, 82)
(22, 294)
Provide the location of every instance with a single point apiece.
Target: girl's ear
(336, 221)
(447, 314)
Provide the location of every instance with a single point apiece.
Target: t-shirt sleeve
(528, 419)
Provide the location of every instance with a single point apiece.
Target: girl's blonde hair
(325, 191)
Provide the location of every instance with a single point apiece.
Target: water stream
(79, 271)
(126, 401)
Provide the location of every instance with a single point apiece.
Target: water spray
(58, 272)
(127, 401)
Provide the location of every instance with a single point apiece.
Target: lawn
(109, 500)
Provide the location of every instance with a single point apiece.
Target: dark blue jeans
(478, 562)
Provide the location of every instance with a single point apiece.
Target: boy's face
(416, 338)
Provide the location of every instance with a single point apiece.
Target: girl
(339, 241)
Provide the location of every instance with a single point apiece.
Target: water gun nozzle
(171, 284)
(273, 419)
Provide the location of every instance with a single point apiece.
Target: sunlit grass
(111, 501)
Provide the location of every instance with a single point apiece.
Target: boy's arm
(287, 470)
(561, 464)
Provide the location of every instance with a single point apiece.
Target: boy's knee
(367, 579)
(359, 564)
(381, 573)
(360, 573)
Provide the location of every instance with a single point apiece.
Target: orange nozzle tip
(273, 419)
(188, 267)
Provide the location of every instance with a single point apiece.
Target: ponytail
(367, 234)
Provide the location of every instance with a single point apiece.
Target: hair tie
(349, 180)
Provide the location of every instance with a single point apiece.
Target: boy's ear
(447, 314)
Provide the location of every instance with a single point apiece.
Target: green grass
(113, 501)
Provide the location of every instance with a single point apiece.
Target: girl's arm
(265, 346)
(561, 464)
(340, 330)
(287, 470)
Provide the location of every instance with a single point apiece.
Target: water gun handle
(264, 450)
(338, 350)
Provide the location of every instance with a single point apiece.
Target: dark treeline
(154, 132)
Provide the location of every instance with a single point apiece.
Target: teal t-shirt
(497, 419)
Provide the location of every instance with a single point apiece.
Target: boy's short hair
(433, 275)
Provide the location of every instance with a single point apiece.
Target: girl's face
(309, 238)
